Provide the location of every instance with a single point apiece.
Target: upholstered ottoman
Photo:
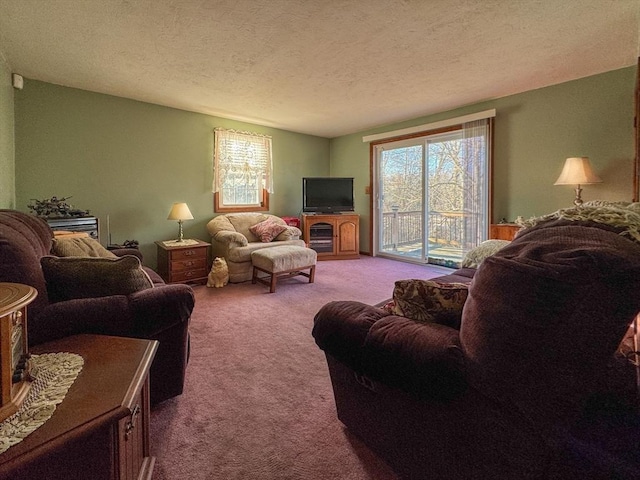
(282, 261)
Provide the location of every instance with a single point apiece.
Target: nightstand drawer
(190, 264)
(187, 275)
(188, 254)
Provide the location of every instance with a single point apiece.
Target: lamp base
(578, 200)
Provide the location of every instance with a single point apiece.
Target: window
(242, 179)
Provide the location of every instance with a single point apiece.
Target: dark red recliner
(519, 390)
(161, 313)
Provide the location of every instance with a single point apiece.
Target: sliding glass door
(431, 195)
(401, 197)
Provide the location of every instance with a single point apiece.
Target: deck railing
(405, 228)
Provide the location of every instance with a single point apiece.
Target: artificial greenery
(55, 207)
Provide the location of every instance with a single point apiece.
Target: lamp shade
(577, 171)
(180, 211)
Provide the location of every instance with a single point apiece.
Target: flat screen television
(327, 195)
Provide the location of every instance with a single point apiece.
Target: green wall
(131, 161)
(7, 152)
(534, 132)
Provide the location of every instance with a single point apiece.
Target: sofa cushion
(462, 275)
(284, 258)
(87, 277)
(430, 301)
(79, 247)
(546, 312)
(267, 230)
(474, 257)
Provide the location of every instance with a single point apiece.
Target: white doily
(55, 373)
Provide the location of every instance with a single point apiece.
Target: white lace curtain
(476, 137)
(242, 159)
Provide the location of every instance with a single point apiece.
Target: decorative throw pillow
(267, 230)
(88, 277)
(430, 301)
(79, 247)
(474, 257)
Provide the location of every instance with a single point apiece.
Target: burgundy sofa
(507, 395)
(161, 313)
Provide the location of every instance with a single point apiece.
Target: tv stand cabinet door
(348, 238)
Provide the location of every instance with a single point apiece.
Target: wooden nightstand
(183, 263)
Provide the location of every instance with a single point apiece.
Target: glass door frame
(377, 200)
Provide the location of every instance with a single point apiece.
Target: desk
(100, 431)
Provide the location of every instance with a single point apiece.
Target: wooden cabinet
(183, 263)
(503, 231)
(15, 365)
(77, 224)
(333, 237)
(100, 431)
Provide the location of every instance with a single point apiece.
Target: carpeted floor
(258, 402)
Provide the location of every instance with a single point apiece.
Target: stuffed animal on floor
(219, 274)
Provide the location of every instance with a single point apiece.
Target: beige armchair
(232, 240)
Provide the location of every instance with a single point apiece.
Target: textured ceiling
(323, 67)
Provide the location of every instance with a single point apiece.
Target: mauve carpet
(258, 402)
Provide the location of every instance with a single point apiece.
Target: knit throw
(622, 215)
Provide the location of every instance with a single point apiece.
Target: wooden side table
(183, 263)
(101, 429)
(503, 231)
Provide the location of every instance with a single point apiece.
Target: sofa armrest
(142, 314)
(424, 359)
(156, 309)
(341, 327)
(231, 239)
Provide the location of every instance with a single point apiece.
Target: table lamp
(180, 212)
(577, 171)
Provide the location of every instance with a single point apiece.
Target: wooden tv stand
(100, 431)
(332, 236)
